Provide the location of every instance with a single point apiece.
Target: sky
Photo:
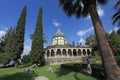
(76, 30)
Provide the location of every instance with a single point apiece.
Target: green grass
(57, 74)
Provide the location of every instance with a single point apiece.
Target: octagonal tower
(59, 38)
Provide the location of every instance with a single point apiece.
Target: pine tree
(37, 41)
(19, 35)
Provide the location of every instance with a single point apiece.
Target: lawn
(57, 74)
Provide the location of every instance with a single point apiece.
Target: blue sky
(53, 18)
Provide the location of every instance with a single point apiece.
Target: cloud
(100, 12)
(83, 32)
(82, 41)
(115, 29)
(2, 33)
(56, 23)
(26, 50)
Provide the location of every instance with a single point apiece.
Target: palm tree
(116, 16)
(83, 8)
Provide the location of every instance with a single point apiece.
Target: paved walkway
(41, 78)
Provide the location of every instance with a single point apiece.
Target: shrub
(26, 59)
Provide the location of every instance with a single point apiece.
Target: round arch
(64, 52)
(52, 53)
(88, 52)
(48, 53)
(84, 52)
(58, 52)
(74, 52)
(79, 52)
(69, 52)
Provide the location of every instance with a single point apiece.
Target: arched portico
(68, 52)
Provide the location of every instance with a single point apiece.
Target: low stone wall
(55, 61)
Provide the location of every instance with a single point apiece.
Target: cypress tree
(37, 41)
(19, 35)
(7, 40)
(9, 46)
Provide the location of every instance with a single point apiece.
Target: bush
(77, 67)
(26, 59)
(118, 59)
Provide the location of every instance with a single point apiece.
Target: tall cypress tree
(19, 35)
(37, 41)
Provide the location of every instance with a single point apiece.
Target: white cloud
(82, 41)
(100, 12)
(115, 29)
(56, 23)
(83, 32)
(2, 33)
(26, 50)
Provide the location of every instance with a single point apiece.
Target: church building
(60, 51)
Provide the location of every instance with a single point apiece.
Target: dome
(58, 34)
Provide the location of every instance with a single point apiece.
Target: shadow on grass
(66, 69)
(62, 71)
(76, 78)
(25, 65)
(18, 76)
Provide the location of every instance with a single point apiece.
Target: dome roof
(59, 34)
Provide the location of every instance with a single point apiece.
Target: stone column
(45, 54)
(61, 52)
(86, 52)
(67, 52)
(50, 53)
(90, 52)
(77, 52)
(55, 50)
(72, 52)
(82, 52)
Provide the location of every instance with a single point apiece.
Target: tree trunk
(111, 68)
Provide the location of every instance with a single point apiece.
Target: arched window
(79, 52)
(58, 52)
(74, 52)
(52, 53)
(84, 52)
(88, 52)
(69, 52)
(64, 53)
(48, 53)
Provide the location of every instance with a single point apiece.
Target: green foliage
(91, 41)
(26, 59)
(79, 8)
(9, 47)
(2, 44)
(116, 16)
(4, 58)
(19, 35)
(37, 41)
(118, 32)
(114, 40)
